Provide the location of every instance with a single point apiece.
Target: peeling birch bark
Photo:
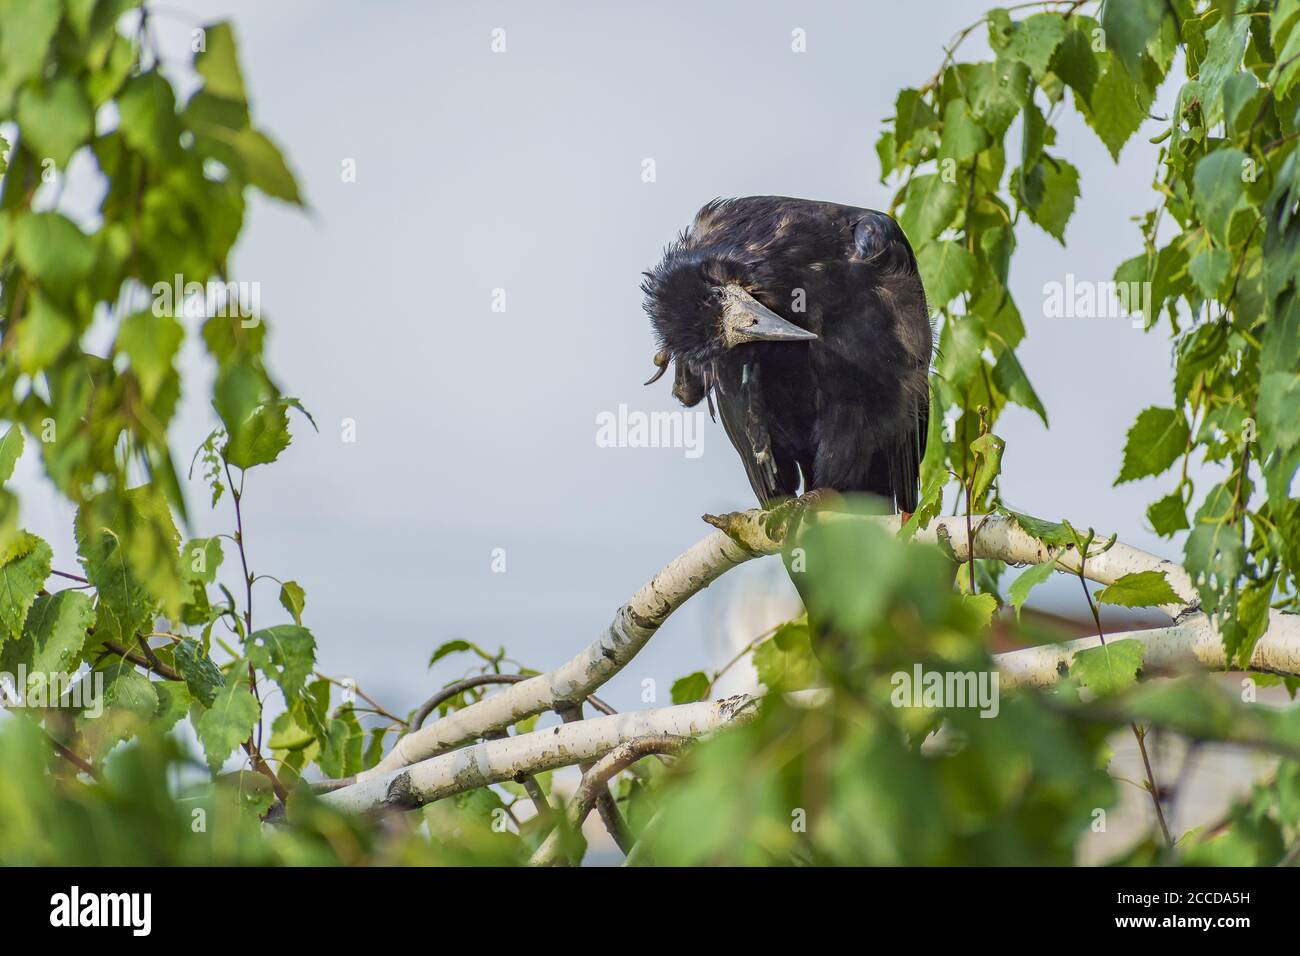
(510, 758)
(743, 538)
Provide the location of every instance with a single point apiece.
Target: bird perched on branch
(805, 323)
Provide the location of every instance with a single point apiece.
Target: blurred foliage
(94, 313)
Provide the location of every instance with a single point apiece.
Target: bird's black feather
(847, 412)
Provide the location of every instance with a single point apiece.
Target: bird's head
(701, 305)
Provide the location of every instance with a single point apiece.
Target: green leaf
(988, 450)
(1168, 515)
(1076, 63)
(229, 721)
(912, 116)
(1278, 408)
(129, 705)
(997, 92)
(995, 307)
(255, 159)
(1156, 440)
(1026, 581)
(375, 750)
(449, 647)
(26, 29)
(56, 119)
(977, 611)
(260, 438)
(1109, 669)
(240, 390)
(148, 117)
(130, 548)
(288, 734)
(1218, 189)
(1242, 632)
(856, 571)
(931, 204)
(218, 63)
(1035, 40)
(1139, 589)
(151, 342)
(42, 335)
(26, 565)
(1051, 189)
(690, 688)
(200, 559)
(11, 449)
(1129, 26)
(1226, 42)
(1050, 533)
(962, 138)
(1287, 69)
(1116, 107)
(785, 661)
(53, 635)
(286, 653)
(341, 752)
(1209, 268)
(293, 599)
(1213, 553)
(884, 153)
(947, 269)
(174, 702)
(202, 676)
(52, 250)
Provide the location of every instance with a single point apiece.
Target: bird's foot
(783, 521)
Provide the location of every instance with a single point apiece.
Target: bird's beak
(745, 319)
(661, 363)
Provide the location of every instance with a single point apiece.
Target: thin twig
(614, 823)
(378, 708)
(1138, 733)
(594, 788)
(79, 762)
(478, 680)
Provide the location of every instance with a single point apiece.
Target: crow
(806, 324)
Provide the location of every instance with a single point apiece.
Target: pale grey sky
(522, 171)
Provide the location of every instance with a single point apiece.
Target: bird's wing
(905, 477)
(739, 397)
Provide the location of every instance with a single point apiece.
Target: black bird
(806, 323)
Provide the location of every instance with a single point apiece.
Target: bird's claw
(783, 521)
(777, 520)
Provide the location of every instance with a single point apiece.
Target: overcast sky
(523, 171)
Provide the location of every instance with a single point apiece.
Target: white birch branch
(509, 758)
(633, 625)
(744, 538)
(1191, 642)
